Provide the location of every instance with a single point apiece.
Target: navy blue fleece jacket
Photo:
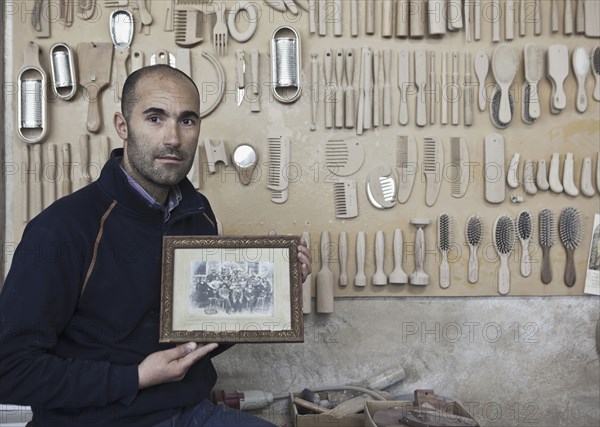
(80, 307)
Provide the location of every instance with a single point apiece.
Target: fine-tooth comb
(345, 199)
(188, 27)
(524, 231)
(504, 241)
(459, 166)
(344, 156)
(406, 165)
(570, 231)
(279, 159)
(444, 245)
(381, 187)
(433, 160)
(474, 235)
(547, 234)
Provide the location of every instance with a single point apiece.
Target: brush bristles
(474, 230)
(402, 151)
(504, 234)
(570, 227)
(444, 232)
(534, 63)
(524, 225)
(505, 63)
(547, 227)
(388, 187)
(455, 164)
(430, 155)
(596, 60)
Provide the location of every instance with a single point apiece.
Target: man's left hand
(304, 258)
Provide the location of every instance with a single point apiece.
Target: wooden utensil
(95, 64)
(325, 280)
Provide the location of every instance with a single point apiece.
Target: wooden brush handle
(546, 272)
(343, 257)
(121, 76)
(397, 245)
(94, 120)
(379, 278)
(525, 260)
(503, 276)
(444, 271)
(360, 279)
(473, 265)
(570, 275)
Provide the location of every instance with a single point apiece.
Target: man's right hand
(171, 365)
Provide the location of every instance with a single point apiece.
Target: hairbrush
(505, 63)
(547, 237)
(504, 242)
(525, 231)
(595, 60)
(444, 245)
(474, 235)
(571, 235)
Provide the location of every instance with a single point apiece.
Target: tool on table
(595, 62)
(354, 18)
(329, 89)
(345, 199)
(215, 153)
(67, 10)
(137, 60)
(244, 158)
(524, 231)
(398, 276)
(32, 109)
(337, 17)
(188, 27)
(547, 237)
(349, 97)
(495, 107)
(558, 70)
(314, 90)
(445, 227)
(325, 277)
(35, 180)
(468, 91)
(370, 17)
(419, 277)
(432, 86)
(587, 188)
(554, 177)
(255, 65)
(482, 65)
(343, 258)
(403, 82)
(568, 180)
(537, 18)
(417, 18)
(279, 159)
(534, 71)
(121, 34)
(64, 76)
(379, 278)
(522, 18)
(25, 194)
(86, 9)
(454, 96)
(307, 284)
(406, 165)
(387, 16)
(459, 166)
(360, 279)
(477, 20)
(509, 20)
(40, 19)
(455, 20)
(220, 32)
(433, 159)
(368, 88)
(444, 98)
(169, 15)
(512, 176)
(163, 57)
(528, 177)
(145, 16)
(541, 179)
(436, 10)
(554, 16)
(323, 14)
(496, 11)
(286, 83)
(570, 230)
(568, 18)
(494, 169)
(474, 236)
(360, 113)
(339, 88)
(421, 83)
(95, 64)
(252, 20)
(598, 173)
(381, 187)
(581, 69)
(504, 242)
(84, 160)
(312, 16)
(505, 63)
(240, 85)
(402, 20)
(377, 95)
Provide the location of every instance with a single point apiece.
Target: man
(79, 312)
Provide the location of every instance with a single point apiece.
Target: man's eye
(188, 122)
(154, 119)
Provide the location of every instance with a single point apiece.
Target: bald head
(160, 71)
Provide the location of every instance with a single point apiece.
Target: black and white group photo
(232, 288)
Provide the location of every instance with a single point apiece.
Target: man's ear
(120, 125)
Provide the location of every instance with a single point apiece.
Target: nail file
(406, 165)
(360, 279)
(325, 279)
(454, 97)
(554, 177)
(509, 20)
(494, 168)
(474, 236)
(558, 70)
(343, 258)
(504, 242)
(459, 166)
(345, 199)
(379, 278)
(568, 177)
(505, 63)
(444, 245)
(349, 97)
(581, 69)
(344, 155)
(524, 226)
(529, 177)
(444, 90)
(433, 161)
(482, 66)
(381, 187)
(403, 82)
(512, 177)
(547, 237)
(307, 284)
(587, 188)
(534, 71)
(432, 86)
(398, 276)
(468, 91)
(421, 82)
(541, 176)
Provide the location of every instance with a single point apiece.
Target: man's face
(162, 133)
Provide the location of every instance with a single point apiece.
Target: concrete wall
(512, 362)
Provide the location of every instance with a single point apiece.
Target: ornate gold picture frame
(231, 289)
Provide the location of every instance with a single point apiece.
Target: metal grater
(285, 64)
(31, 104)
(285, 60)
(62, 73)
(64, 78)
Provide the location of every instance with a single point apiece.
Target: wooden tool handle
(525, 260)
(325, 249)
(473, 265)
(537, 18)
(322, 17)
(444, 89)
(554, 16)
(522, 22)
(581, 102)
(509, 20)
(570, 274)
(444, 271)
(343, 257)
(587, 188)
(50, 180)
(84, 160)
(66, 187)
(387, 93)
(368, 89)
(314, 92)
(397, 245)
(360, 279)
(420, 250)
(307, 284)
(568, 18)
(36, 185)
(325, 278)
(379, 277)
(329, 89)
(503, 276)
(121, 76)
(418, 16)
(546, 272)
(349, 98)
(376, 97)
(354, 18)
(337, 17)
(402, 18)
(580, 17)
(496, 11)
(387, 15)
(94, 119)
(370, 17)
(477, 20)
(339, 96)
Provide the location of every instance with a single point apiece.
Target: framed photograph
(231, 289)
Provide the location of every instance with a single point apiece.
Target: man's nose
(172, 134)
